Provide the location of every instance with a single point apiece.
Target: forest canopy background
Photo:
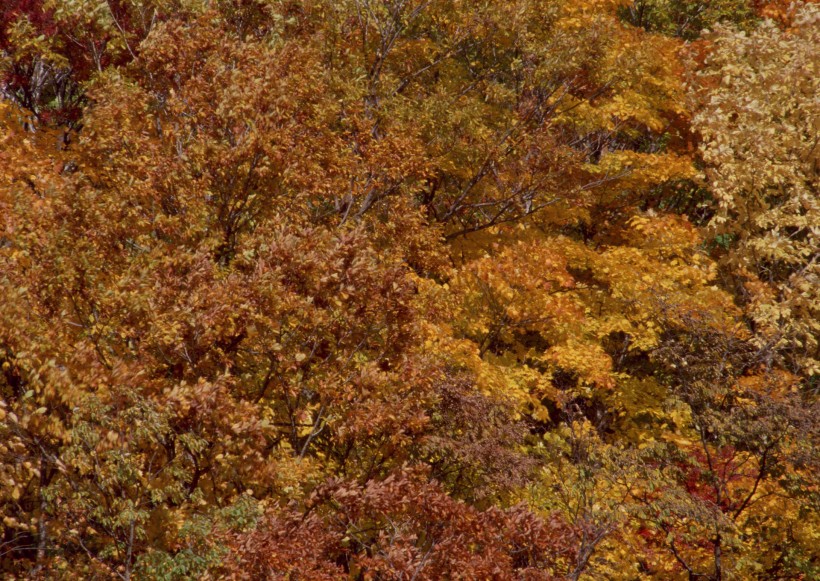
(409, 289)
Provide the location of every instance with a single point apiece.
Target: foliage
(396, 289)
(687, 19)
(760, 147)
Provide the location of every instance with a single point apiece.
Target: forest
(409, 290)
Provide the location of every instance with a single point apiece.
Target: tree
(761, 155)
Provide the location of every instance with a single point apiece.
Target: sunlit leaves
(759, 120)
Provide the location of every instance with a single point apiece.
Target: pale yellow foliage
(759, 117)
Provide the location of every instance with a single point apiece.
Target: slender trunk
(42, 530)
(129, 552)
(718, 566)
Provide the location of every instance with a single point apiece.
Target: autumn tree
(760, 147)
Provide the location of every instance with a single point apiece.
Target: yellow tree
(759, 119)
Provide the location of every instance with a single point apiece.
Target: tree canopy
(409, 289)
